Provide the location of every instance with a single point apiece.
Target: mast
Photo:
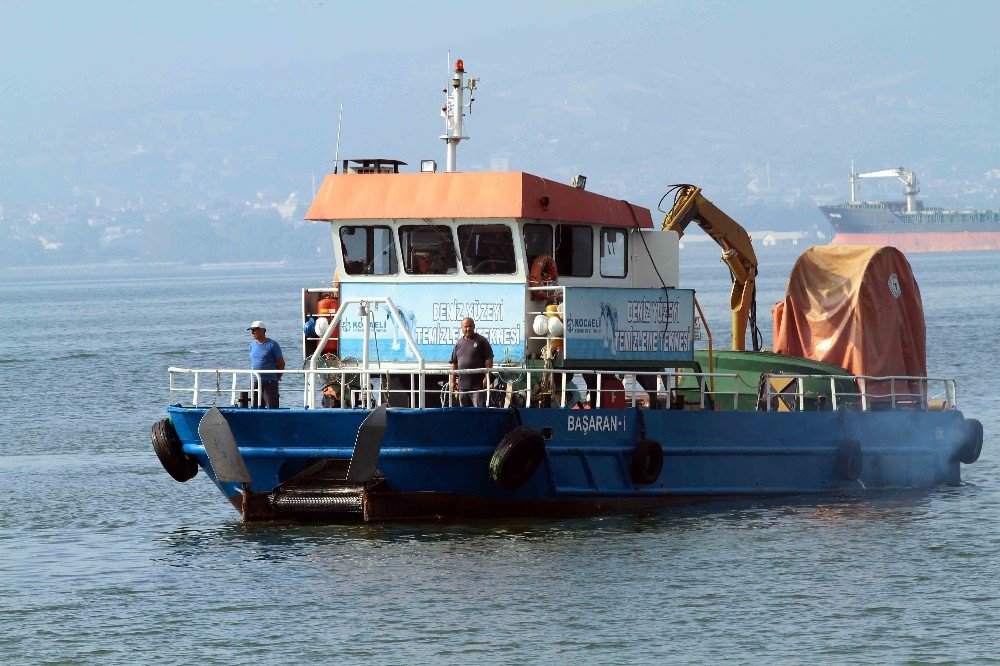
(454, 111)
(340, 123)
(854, 180)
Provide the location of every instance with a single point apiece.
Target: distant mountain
(764, 107)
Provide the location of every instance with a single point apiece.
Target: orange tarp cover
(857, 307)
(469, 195)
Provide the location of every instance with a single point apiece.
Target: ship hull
(435, 463)
(960, 241)
(921, 231)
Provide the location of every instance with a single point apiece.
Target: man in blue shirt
(265, 354)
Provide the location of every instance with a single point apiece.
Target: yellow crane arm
(737, 250)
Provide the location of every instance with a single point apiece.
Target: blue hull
(434, 462)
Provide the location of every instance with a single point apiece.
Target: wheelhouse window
(428, 249)
(486, 249)
(574, 253)
(368, 250)
(537, 241)
(614, 252)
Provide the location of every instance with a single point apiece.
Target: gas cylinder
(328, 305)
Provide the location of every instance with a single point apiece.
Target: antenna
(340, 122)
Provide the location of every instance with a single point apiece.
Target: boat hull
(959, 241)
(920, 231)
(434, 463)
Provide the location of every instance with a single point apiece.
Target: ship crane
(908, 178)
(737, 253)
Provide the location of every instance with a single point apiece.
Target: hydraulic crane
(737, 254)
(908, 178)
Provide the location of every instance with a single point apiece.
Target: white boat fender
(646, 462)
(540, 325)
(517, 457)
(972, 442)
(847, 461)
(321, 325)
(555, 327)
(170, 451)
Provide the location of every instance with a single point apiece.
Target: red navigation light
(459, 66)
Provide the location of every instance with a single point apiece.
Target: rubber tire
(170, 451)
(972, 444)
(848, 463)
(517, 457)
(646, 462)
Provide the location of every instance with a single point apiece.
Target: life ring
(972, 444)
(646, 462)
(543, 273)
(170, 451)
(847, 461)
(517, 457)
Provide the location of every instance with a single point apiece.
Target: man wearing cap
(265, 354)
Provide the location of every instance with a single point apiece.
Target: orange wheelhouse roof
(467, 195)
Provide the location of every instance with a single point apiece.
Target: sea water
(104, 558)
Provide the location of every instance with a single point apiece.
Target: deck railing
(861, 392)
(532, 387)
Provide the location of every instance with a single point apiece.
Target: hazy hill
(195, 117)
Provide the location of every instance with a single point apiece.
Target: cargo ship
(908, 224)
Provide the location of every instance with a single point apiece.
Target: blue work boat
(598, 399)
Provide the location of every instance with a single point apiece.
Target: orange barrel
(328, 305)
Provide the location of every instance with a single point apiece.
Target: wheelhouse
(504, 249)
(593, 240)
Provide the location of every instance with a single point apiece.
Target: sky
(750, 100)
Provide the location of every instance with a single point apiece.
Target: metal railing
(353, 387)
(863, 392)
(365, 312)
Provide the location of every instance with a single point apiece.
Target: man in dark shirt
(471, 351)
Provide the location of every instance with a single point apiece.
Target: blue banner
(433, 314)
(629, 324)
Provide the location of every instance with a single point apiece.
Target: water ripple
(103, 558)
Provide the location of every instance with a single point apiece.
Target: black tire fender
(517, 457)
(170, 451)
(972, 442)
(646, 462)
(848, 463)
